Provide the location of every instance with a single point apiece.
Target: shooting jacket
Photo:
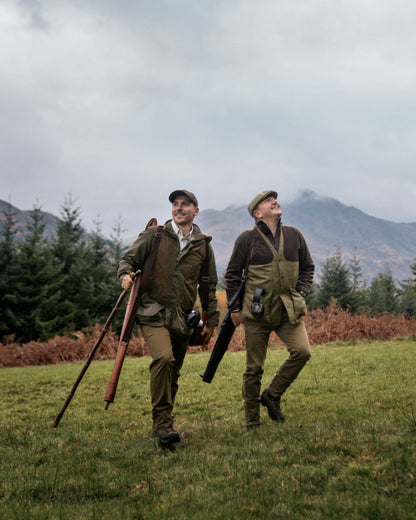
(175, 278)
(281, 265)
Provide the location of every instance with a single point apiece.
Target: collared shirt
(266, 230)
(183, 239)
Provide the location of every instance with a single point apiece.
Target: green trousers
(168, 353)
(257, 336)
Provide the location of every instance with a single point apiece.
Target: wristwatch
(303, 294)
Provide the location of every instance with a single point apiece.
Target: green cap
(259, 198)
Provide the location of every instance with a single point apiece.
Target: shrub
(323, 325)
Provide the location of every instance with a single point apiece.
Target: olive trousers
(168, 353)
(257, 337)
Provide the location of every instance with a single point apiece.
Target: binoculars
(193, 318)
(257, 308)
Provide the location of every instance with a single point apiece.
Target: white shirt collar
(183, 239)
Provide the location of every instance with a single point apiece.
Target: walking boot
(252, 415)
(167, 435)
(273, 406)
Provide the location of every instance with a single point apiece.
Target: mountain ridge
(22, 217)
(326, 224)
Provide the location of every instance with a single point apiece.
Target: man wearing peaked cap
(184, 267)
(278, 271)
(186, 193)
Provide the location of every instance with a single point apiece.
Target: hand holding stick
(92, 354)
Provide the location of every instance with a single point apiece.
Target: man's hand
(127, 282)
(236, 318)
(207, 333)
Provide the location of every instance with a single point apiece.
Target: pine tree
(36, 275)
(10, 320)
(117, 250)
(359, 297)
(383, 293)
(335, 283)
(407, 293)
(71, 290)
(101, 275)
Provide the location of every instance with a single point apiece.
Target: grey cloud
(114, 100)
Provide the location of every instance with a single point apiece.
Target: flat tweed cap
(259, 198)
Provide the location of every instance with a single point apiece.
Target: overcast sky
(119, 102)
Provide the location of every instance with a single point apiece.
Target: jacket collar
(264, 228)
(196, 232)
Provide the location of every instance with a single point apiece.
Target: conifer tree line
(56, 286)
(345, 284)
(67, 283)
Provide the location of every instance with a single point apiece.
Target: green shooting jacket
(282, 266)
(174, 280)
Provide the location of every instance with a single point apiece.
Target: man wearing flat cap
(277, 267)
(184, 266)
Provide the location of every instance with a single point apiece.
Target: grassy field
(346, 450)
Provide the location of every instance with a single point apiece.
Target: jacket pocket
(295, 306)
(175, 318)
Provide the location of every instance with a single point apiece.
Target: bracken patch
(332, 324)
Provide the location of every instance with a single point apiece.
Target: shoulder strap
(249, 256)
(204, 290)
(272, 248)
(240, 288)
(152, 255)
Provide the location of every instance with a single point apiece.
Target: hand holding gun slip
(223, 339)
(92, 353)
(128, 324)
(136, 294)
(221, 344)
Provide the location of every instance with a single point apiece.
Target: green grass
(346, 450)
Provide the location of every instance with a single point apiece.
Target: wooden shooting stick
(91, 355)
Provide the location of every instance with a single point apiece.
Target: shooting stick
(91, 355)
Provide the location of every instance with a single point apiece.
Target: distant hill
(22, 217)
(324, 222)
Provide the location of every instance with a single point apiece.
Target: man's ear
(196, 211)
